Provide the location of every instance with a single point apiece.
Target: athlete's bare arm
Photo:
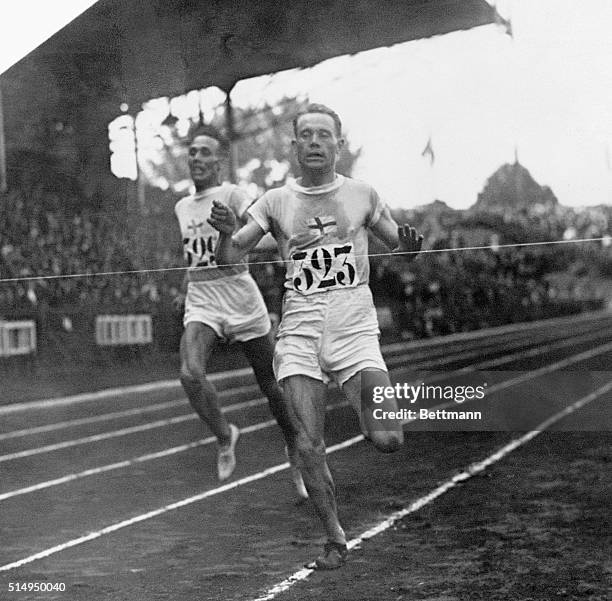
(231, 247)
(398, 238)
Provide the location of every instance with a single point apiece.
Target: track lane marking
(84, 421)
(137, 410)
(183, 402)
(391, 361)
(109, 393)
(254, 388)
(140, 459)
(188, 446)
(472, 470)
(518, 328)
(126, 431)
(81, 421)
(156, 512)
(142, 389)
(193, 416)
(530, 375)
(274, 469)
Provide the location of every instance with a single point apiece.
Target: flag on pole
(428, 152)
(505, 24)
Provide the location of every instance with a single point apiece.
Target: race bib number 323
(326, 267)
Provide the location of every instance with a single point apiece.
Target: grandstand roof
(167, 47)
(134, 50)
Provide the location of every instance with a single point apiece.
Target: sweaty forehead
(316, 121)
(204, 142)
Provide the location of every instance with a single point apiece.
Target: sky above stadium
(479, 95)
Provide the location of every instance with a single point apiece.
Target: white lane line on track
(183, 402)
(539, 350)
(522, 354)
(128, 462)
(136, 411)
(545, 424)
(530, 375)
(82, 421)
(173, 450)
(192, 416)
(130, 412)
(148, 387)
(98, 437)
(143, 458)
(518, 328)
(140, 389)
(397, 361)
(156, 512)
(110, 393)
(469, 472)
(473, 469)
(404, 358)
(391, 362)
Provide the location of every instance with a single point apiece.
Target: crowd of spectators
(48, 237)
(43, 235)
(461, 291)
(454, 290)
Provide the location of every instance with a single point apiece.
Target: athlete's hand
(409, 241)
(222, 218)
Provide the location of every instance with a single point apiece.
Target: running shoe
(333, 557)
(226, 455)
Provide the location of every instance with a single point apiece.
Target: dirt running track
(114, 496)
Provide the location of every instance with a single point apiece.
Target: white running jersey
(321, 232)
(200, 238)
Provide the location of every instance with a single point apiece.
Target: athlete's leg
(386, 435)
(305, 399)
(197, 343)
(260, 352)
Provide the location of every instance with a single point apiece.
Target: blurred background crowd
(67, 255)
(127, 261)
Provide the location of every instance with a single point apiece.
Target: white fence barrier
(17, 338)
(115, 330)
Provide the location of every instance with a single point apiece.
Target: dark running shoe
(333, 557)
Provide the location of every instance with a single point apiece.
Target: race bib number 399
(322, 268)
(199, 251)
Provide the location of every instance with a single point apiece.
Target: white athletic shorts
(233, 307)
(327, 335)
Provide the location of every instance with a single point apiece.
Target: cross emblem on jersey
(194, 226)
(320, 223)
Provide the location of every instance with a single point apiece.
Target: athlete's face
(317, 143)
(204, 161)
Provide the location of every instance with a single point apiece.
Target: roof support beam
(3, 184)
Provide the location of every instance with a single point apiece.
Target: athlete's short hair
(319, 108)
(212, 132)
